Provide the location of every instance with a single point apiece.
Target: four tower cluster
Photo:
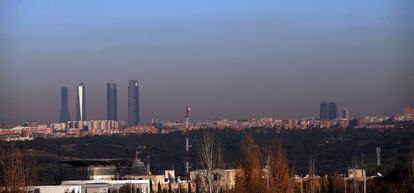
(112, 107)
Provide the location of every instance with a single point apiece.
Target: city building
(328, 111)
(111, 102)
(133, 103)
(345, 113)
(80, 102)
(102, 169)
(408, 111)
(64, 106)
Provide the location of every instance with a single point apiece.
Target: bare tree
(30, 173)
(210, 156)
(12, 178)
(311, 185)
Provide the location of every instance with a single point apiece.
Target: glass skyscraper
(111, 109)
(133, 103)
(64, 106)
(80, 102)
(328, 111)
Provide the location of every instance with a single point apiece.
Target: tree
(189, 187)
(30, 173)
(127, 188)
(150, 188)
(12, 178)
(331, 188)
(411, 167)
(197, 184)
(210, 156)
(159, 188)
(278, 171)
(249, 178)
(311, 185)
(169, 187)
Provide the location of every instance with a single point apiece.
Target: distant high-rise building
(64, 106)
(345, 113)
(111, 101)
(133, 103)
(80, 102)
(328, 111)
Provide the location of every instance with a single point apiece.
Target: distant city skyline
(225, 59)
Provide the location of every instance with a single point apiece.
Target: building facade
(112, 111)
(133, 103)
(64, 106)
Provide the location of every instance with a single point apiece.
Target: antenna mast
(187, 141)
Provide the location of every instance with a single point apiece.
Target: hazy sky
(225, 58)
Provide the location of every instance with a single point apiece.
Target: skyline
(224, 59)
(327, 110)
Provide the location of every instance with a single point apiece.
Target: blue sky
(234, 59)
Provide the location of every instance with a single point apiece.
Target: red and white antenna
(187, 141)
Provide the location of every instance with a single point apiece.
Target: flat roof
(99, 162)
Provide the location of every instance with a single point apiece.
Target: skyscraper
(133, 103)
(345, 113)
(333, 111)
(328, 111)
(111, 101)
(64, 107)
(80, 102)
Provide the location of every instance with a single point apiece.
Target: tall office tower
(80, 102)
(111, 101)
(133, 103)
(333, 111)
(64, 107)
(328, 111)
(345, 113)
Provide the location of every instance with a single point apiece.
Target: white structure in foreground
(93, 186)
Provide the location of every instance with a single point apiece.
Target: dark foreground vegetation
(335, 150)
